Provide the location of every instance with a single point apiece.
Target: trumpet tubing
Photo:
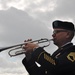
(19, 46)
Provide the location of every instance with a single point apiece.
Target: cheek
(62, 37)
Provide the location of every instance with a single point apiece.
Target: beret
(63, 25)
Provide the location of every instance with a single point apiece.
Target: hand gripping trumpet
(20, 46)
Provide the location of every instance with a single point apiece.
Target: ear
(68, 34)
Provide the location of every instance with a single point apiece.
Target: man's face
(59, 36)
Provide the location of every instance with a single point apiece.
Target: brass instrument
(20, 46)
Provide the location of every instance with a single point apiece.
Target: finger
(24, 47)
(28, 40)
(25, 40)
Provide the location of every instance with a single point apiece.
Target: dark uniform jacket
(61, 62)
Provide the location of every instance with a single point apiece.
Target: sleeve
(44, 58)
(41, 57)
(32, 68)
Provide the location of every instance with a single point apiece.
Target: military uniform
(61, 62)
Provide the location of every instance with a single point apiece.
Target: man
(62, 61)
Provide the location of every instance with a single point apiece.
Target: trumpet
(20, 46)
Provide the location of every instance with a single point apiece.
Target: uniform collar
(66, 44)
(62, 49)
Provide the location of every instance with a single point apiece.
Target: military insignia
(71, 56)
(49, 59)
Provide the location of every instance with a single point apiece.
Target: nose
(53, 35)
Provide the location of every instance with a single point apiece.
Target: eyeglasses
(57, 31)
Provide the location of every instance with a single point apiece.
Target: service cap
(63, 25)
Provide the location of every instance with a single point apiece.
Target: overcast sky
(23, 19)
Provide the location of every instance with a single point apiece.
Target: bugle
(20, 46)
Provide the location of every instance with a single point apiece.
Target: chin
(55, 43)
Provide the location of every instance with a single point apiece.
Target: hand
(29, 46)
